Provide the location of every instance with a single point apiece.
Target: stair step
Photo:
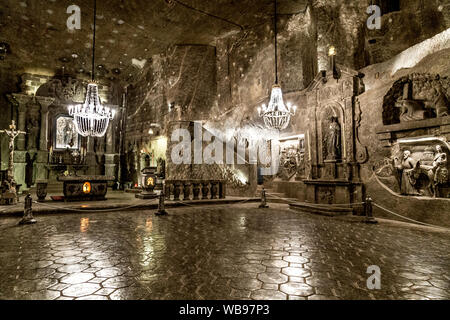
(321, 209)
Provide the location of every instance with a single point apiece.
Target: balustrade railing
(184, 190)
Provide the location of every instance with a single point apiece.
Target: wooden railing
(183, 190)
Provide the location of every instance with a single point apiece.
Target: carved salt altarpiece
(333, 149)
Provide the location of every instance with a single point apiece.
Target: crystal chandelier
(276, 115)
(91, 119)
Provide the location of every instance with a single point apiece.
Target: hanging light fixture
(91, 119)
(276, 115)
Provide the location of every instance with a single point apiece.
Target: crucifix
(12, 134)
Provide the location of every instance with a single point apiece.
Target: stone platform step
(325, 210)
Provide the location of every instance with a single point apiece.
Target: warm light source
(277, 115)
(87, 187)
(332, 51)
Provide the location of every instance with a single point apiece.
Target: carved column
(44, 102)
(111, 157)
(22, 101)
(186, 190)
(90, 157)
(196, 190)
(20, 154)
(177, 190)
(205, 189)
(42, 154)
(214, 189)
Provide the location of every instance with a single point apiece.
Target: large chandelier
(276, 115)
(91, 119)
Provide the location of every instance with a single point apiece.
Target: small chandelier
(277, 115)
(91, 119)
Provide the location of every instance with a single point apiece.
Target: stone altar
(85, 188)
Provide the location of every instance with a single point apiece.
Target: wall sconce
(332, 54)
(4, 49)
(153, 125)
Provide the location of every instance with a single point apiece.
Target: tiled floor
(222, 252)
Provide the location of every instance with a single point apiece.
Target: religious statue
(12, 133)
(440, 170)
(405, 169)
(333, 140)
(9, 185)
(68, 135)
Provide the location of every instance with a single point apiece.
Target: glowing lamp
(87, 188)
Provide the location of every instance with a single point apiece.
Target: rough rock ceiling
(127, 30)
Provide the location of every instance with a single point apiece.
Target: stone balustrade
(183, 190)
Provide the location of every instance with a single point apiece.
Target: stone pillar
(110, 147)
(90, 157)
(42, 155)
(111, 165)
(20, 154)
(44, 102)
(22, 101)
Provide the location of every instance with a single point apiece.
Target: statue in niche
(333, 141)
(33, 132)
(66, 135)
(405, 174)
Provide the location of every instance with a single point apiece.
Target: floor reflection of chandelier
(276, 115)
(91, 119)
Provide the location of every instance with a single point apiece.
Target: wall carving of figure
(417, 97)
(405, 169)
(423, 170)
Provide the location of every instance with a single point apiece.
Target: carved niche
(417, 97)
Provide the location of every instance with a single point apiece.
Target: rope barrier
(324, 205)
(89, 210)
(118, 209)
(363, 203)
(406, 218)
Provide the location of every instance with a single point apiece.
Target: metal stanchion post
(368, 210)
(263, 204)
(28, 211)
(161, 205)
